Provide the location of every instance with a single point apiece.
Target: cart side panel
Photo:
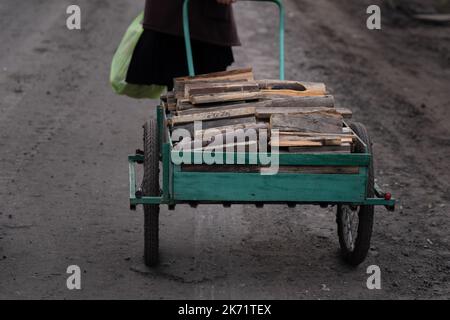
(195, 186)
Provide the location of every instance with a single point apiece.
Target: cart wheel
(355, 222)
(151, 188)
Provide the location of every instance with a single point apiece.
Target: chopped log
(191, 109)
(246, 146)
(224, 97)
(315, 134)
(223, 76)
(239, 136)
(220, 114)
(302, 102)
(244, 73)
(295, 143)
(318, 136)
(343, 148)
(216, 123)
(274, 94)
(214, 88)
(313, 122)
(302, 141)
(286, 102)
(234, 127)
(190, 144)
(291, 88)
(265, 113)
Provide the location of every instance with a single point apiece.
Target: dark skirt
(160, 57)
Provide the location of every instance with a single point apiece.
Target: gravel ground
(64, 138)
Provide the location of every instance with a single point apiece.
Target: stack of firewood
(301, 115)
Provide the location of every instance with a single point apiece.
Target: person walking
(160, 54)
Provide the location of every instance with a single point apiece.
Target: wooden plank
(273, 94)
(312, 122)
(214, 88)
(224, 97)
(325, 103)
(304, 141)
(245, 74)
(220, 114)
(323, 138)
(303, 102)
(216, 123)
(343, 148)
(222, 75)
(233, 127)
(190, 144)
(244, 146)
(272, 88)
(275, 84)
(315, 134)
(295, 143)
(265, 113)
(188, 108)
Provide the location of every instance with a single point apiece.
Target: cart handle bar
(187, 35)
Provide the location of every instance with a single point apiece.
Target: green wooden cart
(355, 195)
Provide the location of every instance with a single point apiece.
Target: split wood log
(286, 102)
(224, 97)
(291, 88)
(215, 123)
(274, 94)
(225, 76)
(301, 141)
(190, 144)
(219, 114)
(295, 143)
(343, 148)
(214, 88)
(313, 122)
(265, 113)
(234, 127)
(244, 146)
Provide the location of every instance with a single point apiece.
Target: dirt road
(64, 138)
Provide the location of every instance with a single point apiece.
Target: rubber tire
(150, 187)
(365, 214)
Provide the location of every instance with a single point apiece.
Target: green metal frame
(187, 35)
(234, 187)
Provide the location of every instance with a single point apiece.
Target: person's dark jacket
(209, 21)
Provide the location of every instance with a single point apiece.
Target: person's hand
(225, 1)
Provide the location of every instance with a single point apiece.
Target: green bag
(121, 62)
